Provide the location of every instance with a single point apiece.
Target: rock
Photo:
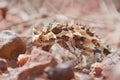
(115, 73)
(34, 67)
(3, 65)
(11, 45)
(82, 76)
(96, 70)
(111, 66)
(40, 56)
(22, 59)
(62, 71)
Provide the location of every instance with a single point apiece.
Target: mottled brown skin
(73, 37)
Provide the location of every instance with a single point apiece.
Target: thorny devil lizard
(85, 46)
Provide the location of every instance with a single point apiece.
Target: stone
(63, 71)
(22, 59)
(82, 76)
(3, 65)
(34, 67)
(111, 66)
(96, 70)
(11, 45)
